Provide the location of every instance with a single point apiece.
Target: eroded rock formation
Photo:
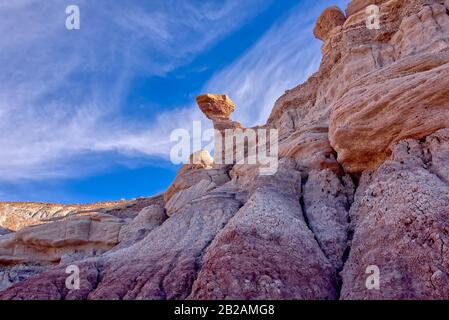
(330, 19)
(218, 108)
(363, 180)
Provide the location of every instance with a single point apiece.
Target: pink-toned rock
(163, 265)
(401, 222)
(184, 197)
(327, 199)
(267, 251)
(190, 175)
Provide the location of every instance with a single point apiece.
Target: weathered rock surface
(161, 266)
(363, 181)
(401, 222)
(267, 251)
(330, 19)
(9, 275)
(49, 243)
(190, 175)
(202, 158)
(327, 199)
(147, 220)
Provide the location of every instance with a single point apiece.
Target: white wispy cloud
(61, 92)
(48, 120)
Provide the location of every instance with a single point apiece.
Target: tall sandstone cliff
(363, 181)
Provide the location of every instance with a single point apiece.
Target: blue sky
(86, 115)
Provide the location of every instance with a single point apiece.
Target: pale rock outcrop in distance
(51, 242)
(62, 233)
(363, 180)
(16, 215)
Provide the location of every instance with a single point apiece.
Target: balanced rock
(218, 108)
(216, 105)
(331, 18)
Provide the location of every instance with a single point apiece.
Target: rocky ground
(363, 180)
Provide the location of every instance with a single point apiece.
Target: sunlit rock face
(362, 184)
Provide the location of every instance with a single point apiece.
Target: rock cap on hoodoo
(3, 231)
(331, 18)
(215, 105)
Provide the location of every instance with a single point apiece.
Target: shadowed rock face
(3, 231)
(363, 181)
